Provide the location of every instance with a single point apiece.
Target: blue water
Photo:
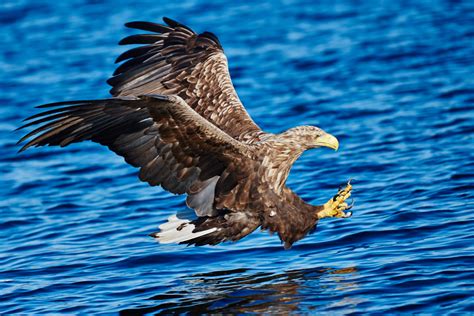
(393, 81)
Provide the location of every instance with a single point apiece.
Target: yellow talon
(336, 206)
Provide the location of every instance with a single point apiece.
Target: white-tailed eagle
(175, 115)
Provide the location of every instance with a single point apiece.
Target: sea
(392, 80)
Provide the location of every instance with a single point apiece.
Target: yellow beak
(327, 140)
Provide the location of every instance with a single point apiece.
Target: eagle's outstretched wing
(176, 60)
(171, 144)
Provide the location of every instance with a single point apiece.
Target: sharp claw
(351, 205)
(337, 205)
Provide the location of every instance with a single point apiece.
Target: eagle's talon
(336, 206)
(352, 203)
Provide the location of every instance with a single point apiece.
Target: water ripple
(392, 81)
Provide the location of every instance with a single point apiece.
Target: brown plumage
(176, 116)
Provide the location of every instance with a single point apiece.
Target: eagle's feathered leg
(336, 206)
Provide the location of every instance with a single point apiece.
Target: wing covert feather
(171, 144)
(176, 60)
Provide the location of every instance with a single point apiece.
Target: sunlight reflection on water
(393, 82)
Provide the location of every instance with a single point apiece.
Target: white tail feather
(177, 230)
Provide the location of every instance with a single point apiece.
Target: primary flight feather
(176, 116)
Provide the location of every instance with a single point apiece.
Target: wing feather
(176, 60)
(172, 145)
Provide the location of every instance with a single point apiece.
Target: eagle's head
(310, 137)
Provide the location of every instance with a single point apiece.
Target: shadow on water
(247, 291)
(393, 81)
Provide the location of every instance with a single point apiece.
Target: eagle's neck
(277, 164)
(284, 150)
(288, 146)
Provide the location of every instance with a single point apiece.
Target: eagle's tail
(206, 230)
(177, 230)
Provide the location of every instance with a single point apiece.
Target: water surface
(394, 82)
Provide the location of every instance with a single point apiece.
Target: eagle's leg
(336, 206)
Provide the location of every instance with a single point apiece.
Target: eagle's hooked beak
(327, 140)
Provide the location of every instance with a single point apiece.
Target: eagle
(176, 116)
